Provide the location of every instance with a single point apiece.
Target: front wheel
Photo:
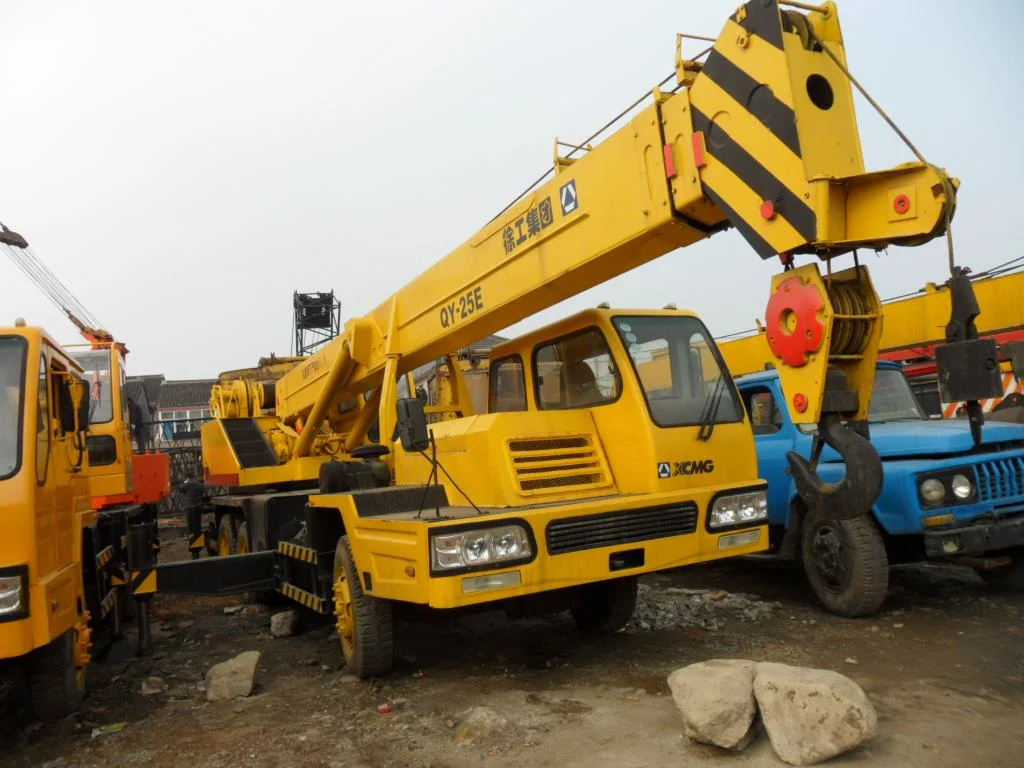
(56, 677)
(846, 564)
(605, 607)
(365, 624)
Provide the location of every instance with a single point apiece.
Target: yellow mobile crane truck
(585, 473)
(72, 495)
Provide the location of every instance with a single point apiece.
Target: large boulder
(812, 715)
(716, 700)
(232, 678)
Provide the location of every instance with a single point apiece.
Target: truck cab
(942, 498)
(44, 507)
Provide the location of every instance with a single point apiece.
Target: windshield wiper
(709, 411)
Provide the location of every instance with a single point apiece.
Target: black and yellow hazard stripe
(755, 171)
(104, 556)
(298, 552)
(197, 541)
(302, 597)
(143, 581)
(108, 602)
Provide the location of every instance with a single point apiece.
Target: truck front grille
(1000, 478)
(614, 528)
(556, 464)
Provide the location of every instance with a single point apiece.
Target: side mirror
(412, 425)
(80, 404)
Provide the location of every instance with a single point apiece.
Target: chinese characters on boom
(529, 225)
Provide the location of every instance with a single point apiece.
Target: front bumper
(976, 539)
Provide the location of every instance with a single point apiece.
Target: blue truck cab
(942, 498)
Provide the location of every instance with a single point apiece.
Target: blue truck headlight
(735, 510)
(933, 491)
(478, 548)
(947, 488)
(962, 487)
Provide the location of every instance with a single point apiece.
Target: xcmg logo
(667, 469)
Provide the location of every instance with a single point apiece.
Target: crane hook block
(857, 492)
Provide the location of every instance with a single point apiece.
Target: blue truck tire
(846, 564)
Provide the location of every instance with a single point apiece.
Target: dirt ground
(943, 664)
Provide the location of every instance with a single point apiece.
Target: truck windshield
(97, 375)
(892, 399)
(682, 374)
(12, 401)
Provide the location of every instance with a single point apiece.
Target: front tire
(56, 684)
(846, 564)
(605, 607)
(365, 624)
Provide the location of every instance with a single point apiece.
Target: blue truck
(942, 498)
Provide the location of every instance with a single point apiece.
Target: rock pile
(811, 715)
(683, 608)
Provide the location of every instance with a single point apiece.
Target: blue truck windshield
(681, 372)
(892, 398)
(12, 403)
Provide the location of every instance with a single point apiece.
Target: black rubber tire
(372, 653)
(1010, 577)
(605, 607)
(225, 531)
(55, 685)
(857, 584)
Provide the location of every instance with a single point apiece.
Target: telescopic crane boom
(760, 136)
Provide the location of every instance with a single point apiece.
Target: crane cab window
(765, 416)
(97, 374)
(680, 370)
(507, 385)
(575, 371)
(12, 403)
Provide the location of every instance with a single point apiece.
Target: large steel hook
(857, 492)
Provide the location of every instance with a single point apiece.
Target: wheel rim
(831, 557)
(343, 611)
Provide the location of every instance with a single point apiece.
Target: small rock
(231, 610)
(254, 610)
(283, 624)
(154, 685)
(812, 715)
(718, 594)
(449, 723)
(479, 723)
(851, 660)
(716, 700)
(897, 626)
(233, 678)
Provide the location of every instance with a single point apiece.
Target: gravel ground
(943, 663)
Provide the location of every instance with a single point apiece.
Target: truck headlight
(933, 491)
(962, 487)
(738, 509)
(13, 594)
(949, 487)
(479, 547)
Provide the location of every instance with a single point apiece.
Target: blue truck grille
(1000, 478)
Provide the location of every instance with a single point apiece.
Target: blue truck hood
(939, 437)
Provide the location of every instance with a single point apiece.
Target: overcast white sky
(183, 167)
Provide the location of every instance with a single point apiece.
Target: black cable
(452, 479)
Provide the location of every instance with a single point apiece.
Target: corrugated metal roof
(187, 393)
